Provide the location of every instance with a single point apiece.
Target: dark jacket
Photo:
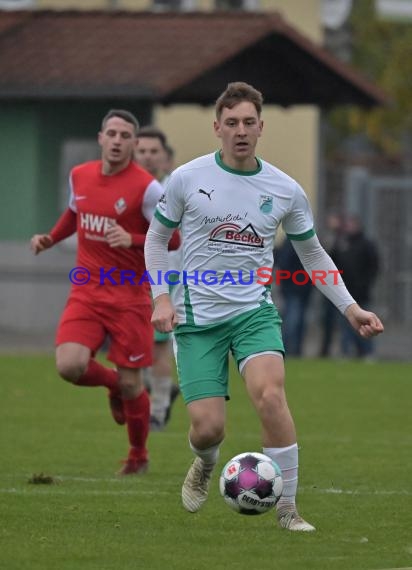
(358, 258)
(285, 258)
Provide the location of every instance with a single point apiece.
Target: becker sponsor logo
(96, 224)
(235, 234)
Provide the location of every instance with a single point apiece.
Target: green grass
(354, 429)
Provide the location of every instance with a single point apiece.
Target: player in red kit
(112, 201)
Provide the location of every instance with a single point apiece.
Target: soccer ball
(251, 483)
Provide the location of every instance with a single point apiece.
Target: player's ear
(99, 137)
(260, 127)
(216, 126)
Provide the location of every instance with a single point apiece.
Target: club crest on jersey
(266, 204)
(120, 206)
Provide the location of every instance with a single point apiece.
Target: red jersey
(127, 198)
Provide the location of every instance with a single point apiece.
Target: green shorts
(202, 351)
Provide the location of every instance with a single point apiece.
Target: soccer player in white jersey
(230, 205)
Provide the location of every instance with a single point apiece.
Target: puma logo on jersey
(95, 223)
(201, 191)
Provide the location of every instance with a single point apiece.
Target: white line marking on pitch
(48, 489)
(334, 491)
(58, 490)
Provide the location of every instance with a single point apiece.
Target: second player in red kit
(112, 201)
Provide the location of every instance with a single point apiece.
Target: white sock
(160, 396)
(287, 459)
(209, 455)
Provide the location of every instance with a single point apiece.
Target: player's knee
(70, 370)
(272, 400)
(209, 432)
(130, 385)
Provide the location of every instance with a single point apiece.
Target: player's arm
(157, 263)
(326, 277)
(298, 225)
(117, 236)
(166, 220)
(65, 227)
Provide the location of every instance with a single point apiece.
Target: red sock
(137, 412)
(98, 375)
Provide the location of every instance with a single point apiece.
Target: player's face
(239, 128)
(151, 155)
(118, 141)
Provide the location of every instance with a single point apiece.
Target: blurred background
(336, 76)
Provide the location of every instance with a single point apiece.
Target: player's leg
(72, 360)
(260, 359)
(202, 364)
(264, 378)
(161, 383)
(79, 335)
(136, 404)
(207, 419)
(131, 335)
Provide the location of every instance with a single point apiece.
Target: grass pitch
(354, 427)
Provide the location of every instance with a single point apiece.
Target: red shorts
(129, 330)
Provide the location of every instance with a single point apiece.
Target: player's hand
(164, 317)
(116, 236)
(40, 242)
(366, 323)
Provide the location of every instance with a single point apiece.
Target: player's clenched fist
(164, 317)
(366, 323)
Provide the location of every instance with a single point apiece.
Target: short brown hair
(238, 92)
(122, 114)
(152, 132)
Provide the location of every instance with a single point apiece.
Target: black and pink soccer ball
(251, 483)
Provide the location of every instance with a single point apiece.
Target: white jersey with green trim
(228, 222)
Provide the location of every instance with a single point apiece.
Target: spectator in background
(295, 295)
(358, 258)
(329, 314)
